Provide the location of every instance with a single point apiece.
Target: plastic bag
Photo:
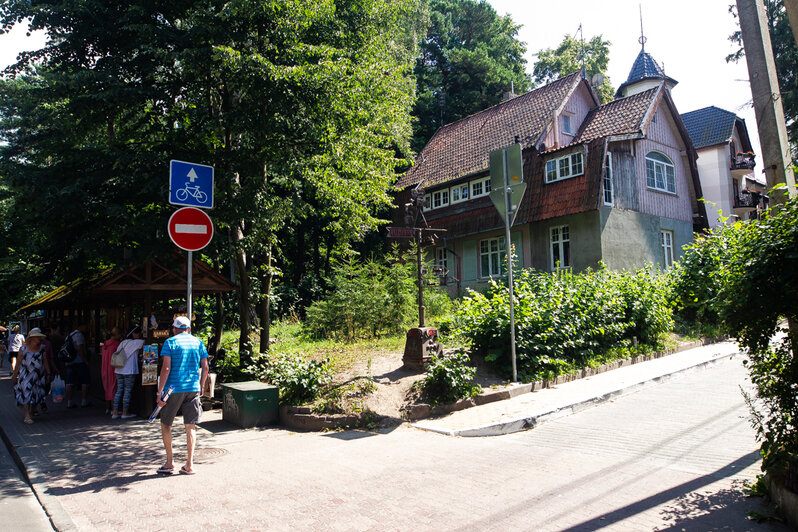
(58, 389)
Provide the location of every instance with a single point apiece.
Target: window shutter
(469, 260)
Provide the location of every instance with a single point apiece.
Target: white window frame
(657, 169)
(564, 167)
(440, 198)
(560, 239)
(442, 259)
(666, 243)
(456, 194)
(567, 119)
(492, 251)
(483, 185)
(608, 185)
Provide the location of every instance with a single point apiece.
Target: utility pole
(776, 153)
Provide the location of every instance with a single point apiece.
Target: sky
(689, 38)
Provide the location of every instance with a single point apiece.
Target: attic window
(570, 165)
(660, 172)
(567, 124)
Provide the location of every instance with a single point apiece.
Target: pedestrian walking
(185, 366)
(30, 376)
(15, 341)
(109, 347)
(126, 375)
(78, 369)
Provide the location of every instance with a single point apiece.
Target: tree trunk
(242, 277)
(265, 305)
(218, 325)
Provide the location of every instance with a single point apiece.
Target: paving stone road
(672, 456)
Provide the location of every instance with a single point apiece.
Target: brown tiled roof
(618, 117)
(463, 147)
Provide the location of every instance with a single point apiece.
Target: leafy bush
(774, 372)
(300, 380)
(565, 320)
(449, 379)
(697, 279)
(371, 299)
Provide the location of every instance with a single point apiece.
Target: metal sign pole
(508, 247)
(189, 275)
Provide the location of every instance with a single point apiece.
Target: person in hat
(126, 375)
(30, 374)
(185, 366)
(109, 347)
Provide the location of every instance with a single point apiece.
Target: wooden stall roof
(132, 285)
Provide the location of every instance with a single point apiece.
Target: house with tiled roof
(615, 184)
(726, 165)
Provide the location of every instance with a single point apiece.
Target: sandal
(28, 420)
(166, 470)
(184, 471)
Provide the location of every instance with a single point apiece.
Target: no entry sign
(190, 228)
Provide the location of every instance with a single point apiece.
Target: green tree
(294, 103)
(570, 56)
(470, 57)
(785, 54)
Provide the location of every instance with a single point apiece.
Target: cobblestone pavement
(671, 456)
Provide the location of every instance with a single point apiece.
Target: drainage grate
(208, 453)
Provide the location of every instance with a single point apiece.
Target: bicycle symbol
(194, 192)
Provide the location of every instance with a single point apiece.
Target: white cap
(182, 322)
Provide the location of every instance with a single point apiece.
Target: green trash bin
(250, 404)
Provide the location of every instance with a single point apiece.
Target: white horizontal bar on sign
(194, 229)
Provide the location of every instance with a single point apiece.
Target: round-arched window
(660, 173)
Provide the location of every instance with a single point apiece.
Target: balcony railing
(742, 162)
(750, 199)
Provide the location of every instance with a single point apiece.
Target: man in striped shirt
(185, 366)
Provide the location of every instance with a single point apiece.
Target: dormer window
(567, 124)
(564, 167)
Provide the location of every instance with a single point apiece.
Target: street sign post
(190, 184)
(507, 191)
(190, 229)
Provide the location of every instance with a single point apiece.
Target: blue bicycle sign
(190, 184)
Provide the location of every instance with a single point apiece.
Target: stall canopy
(143, 283)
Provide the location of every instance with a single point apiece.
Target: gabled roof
(619, 117)
(644, 67)
(463, 147)
(711, 125)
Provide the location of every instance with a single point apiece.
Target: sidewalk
(94, 473)
(527, 410)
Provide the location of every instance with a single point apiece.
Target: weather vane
(642, 40)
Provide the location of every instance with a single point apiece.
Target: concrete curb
(531, 421)
(59, 518)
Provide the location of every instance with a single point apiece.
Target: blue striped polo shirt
(185, 352)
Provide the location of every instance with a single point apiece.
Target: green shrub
(565, 320)
(372, 299)
(300, 381)
(449, 379)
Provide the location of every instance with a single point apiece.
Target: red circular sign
(190, 228)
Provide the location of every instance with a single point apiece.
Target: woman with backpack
(126, 375)
(30, 374)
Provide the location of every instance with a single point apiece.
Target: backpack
(68, 352)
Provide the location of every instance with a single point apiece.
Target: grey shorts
(188, 402)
